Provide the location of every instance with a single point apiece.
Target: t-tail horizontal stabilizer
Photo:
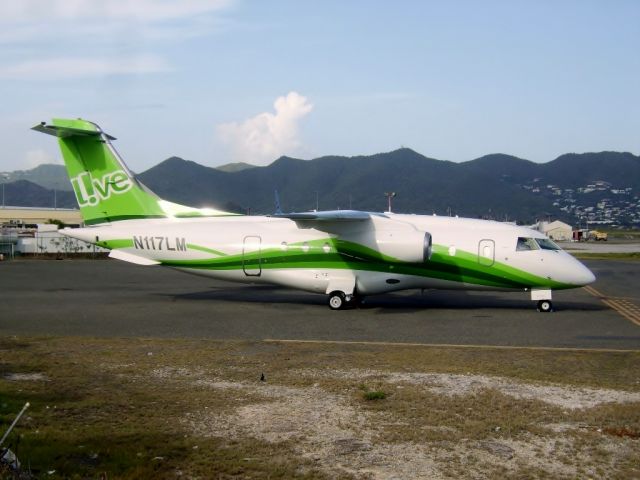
(106, 190)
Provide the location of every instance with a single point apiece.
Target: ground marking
(624, 307)
(448, 345)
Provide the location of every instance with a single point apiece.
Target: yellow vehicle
(598, 235)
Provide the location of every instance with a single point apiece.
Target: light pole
(5, 177)
(389, 196)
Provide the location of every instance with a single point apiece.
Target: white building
(31, 215)
(556, 230)
(41, 239)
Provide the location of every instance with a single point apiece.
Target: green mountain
(235, 167)
(573, 187)
(495, 186)
(23, 193)
(48, 176)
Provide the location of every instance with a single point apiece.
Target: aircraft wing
(329, 216)
(338, 222)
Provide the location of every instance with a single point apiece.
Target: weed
(374, 395)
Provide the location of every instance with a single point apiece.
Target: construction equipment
(598, 236)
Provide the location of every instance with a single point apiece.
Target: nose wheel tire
(337, 300)
(545, 306)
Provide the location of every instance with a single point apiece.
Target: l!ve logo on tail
(90, 191)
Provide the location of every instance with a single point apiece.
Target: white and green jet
(343, 254)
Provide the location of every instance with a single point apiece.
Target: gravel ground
(343, 437)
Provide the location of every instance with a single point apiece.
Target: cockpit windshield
(526, 244)
(547, 244)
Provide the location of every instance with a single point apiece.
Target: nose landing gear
(545, 306)
(543, 296)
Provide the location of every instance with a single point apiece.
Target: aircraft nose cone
(583, 276)
(572, 272)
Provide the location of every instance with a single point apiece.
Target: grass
(626, 234)
(374, 395)
(119, 406)
(606, 256)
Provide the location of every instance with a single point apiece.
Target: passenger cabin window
(547, 244)
(526, 244)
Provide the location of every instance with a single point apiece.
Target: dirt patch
(152, 408)
(456, 384)
(323, 427)
(343, 437)
(26, 377)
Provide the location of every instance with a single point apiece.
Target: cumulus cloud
(61, 68)
(33, 158)
(265, 137)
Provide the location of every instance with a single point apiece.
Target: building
(556, 230)
(26, 231)
(33, 215)
(41, 239)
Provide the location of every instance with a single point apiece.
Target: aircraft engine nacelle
(407, 246)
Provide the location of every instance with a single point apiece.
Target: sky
(219, 81)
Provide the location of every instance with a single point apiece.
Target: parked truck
(598, 236)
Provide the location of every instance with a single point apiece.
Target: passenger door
(486, 252)
(251, 256)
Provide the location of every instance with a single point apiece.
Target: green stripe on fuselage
(191, 246)
(463, 267)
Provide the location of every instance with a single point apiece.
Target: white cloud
(33, 158)
(144, 11)
(35, 33)
(41, 22)
(265, 137)
(57, 68)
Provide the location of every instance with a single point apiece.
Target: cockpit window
(547, 244)
(526, 244)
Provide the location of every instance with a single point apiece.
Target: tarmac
(611, 246)
(108, 298)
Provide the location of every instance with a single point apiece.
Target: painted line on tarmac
(624, 307)
(449, 345)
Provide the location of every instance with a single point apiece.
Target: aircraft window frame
(547, 244)
(526, 244)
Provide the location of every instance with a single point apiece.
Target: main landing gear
(339, 300)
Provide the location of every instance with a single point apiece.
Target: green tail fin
(105, 188)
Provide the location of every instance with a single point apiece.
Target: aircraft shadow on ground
(403, 302)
